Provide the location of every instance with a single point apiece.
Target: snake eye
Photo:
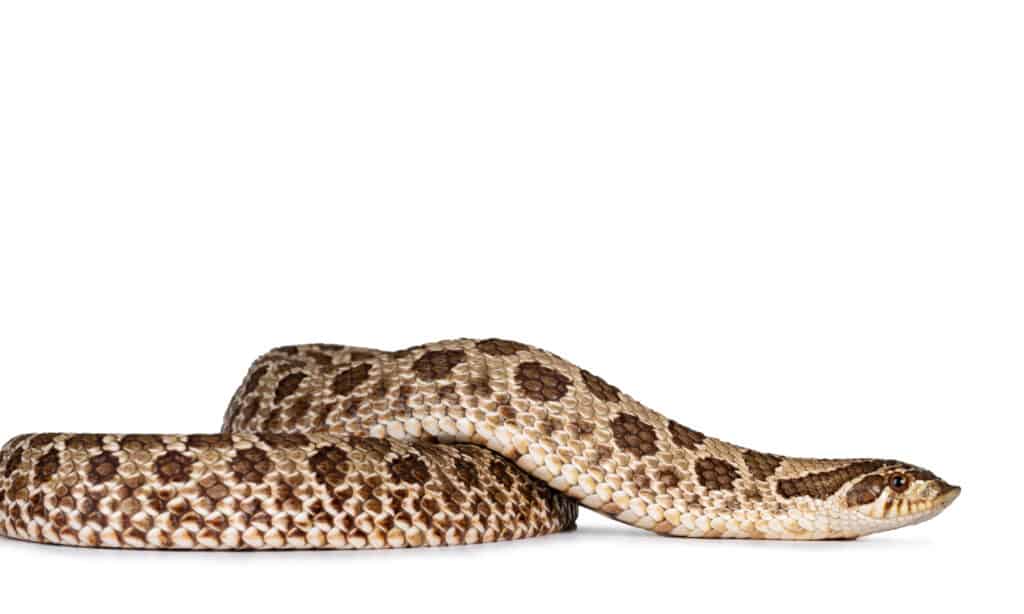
(899, 482)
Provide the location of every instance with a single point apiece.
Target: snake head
(897, 495)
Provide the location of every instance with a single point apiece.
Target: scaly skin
(581, 436)
(337, 447)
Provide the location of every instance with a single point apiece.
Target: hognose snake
(454, 442)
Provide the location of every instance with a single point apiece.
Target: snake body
(454, 442)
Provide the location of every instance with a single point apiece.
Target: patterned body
(392, 425)
(563, 425)
(266, 492)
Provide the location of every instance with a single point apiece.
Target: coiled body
(452, 442)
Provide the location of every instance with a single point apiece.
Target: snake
(454, 442)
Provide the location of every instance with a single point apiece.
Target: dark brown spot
(380, 447)
(138, 443)
(287, 386)
(251, 465)
(102, 467)
(202, 442)
(668, 477)
(254, 379)
(500, 347)
(715, 473)
(600, 388)
(761, 466)
(437, 364)
(480, 387)
(36, 507)
(84, 442)
(349, 380)
(404, 394)
(633, 435)
(410, 469)
(466, 472)
(13, 462)
(329, 464)
(284, 440)
(499, 469)
(47, 466)
(320, 358)
(578, 427)
(19, 486)
(824, 484)
(865, 491)
(448, 393)
(540, 383)
(684, 437)
(213, 489)
(173, 467)
(43, 439)
(360, 355)
(602, 453)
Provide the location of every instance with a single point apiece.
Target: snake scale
(454, 442)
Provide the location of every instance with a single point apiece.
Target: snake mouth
(947, 495)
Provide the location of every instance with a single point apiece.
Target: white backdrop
(792, 225)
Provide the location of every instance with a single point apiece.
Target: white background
(793, 225)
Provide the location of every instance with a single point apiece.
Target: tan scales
(454, 442)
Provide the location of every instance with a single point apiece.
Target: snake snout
(947, 494)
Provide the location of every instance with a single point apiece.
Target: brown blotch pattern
(633, 435)
(600, 388)
(480, 387)
(409, 469)
(13, 462)
(84, 442)
(684, 437)
(540, 383)
(320, 358)
(329, 465)
(437, 364)
(202, 442)
(43, 439)
(102, 467)
(824, 484)
(280, 440)
(380, 447)
(466, 472)
(500, 471)
(500, 347)
(287, 386)
(761, 465)
(866, 490)
(349, 380)
(173, 467)
(579, 427)
(47, 466)
(669, 478)
(213, 489)
(251, 465)
(715, 473)
(254, 379)
(138, 443)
